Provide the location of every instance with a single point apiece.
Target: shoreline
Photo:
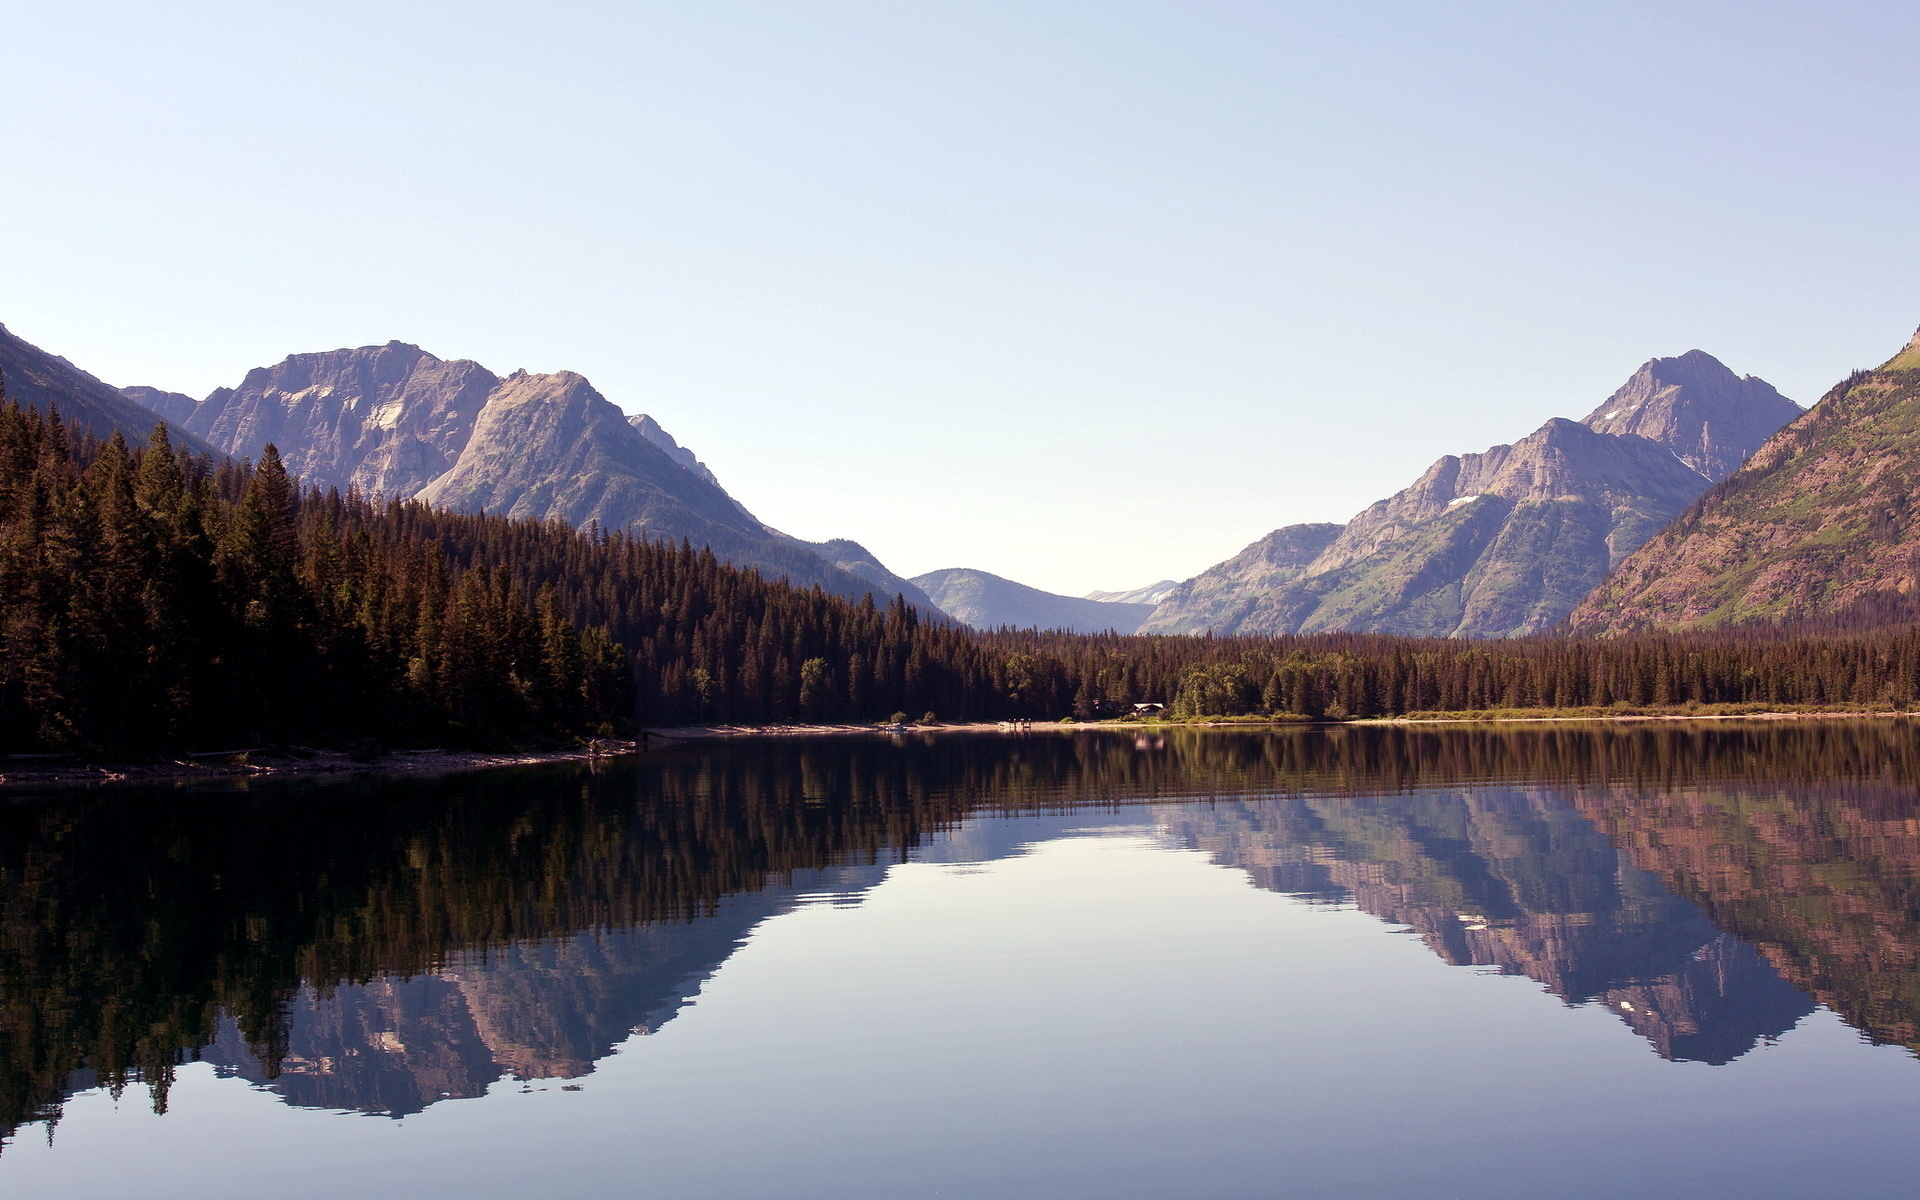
(28, 771)
(60, 771)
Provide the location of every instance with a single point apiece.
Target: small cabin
(1149, 709)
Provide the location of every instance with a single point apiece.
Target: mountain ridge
(41, 380)
(984, 600)
(1819, 524)
(1501, 543)
(396, 421)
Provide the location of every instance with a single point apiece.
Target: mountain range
(46, 382)
(398, 422)
(1502, 543)
(1818, 525)
(1690, 497)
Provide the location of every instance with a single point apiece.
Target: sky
(1083, 294)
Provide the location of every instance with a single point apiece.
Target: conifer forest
(153, 601)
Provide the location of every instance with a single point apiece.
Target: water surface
(1575, 961)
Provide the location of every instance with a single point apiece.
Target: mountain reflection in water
(380, 945)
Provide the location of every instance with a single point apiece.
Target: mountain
(858, 561)
(1502, 543)
(399, 422)
(385, 419)
(650, 430)
(1696, 407)
(987, 601)
(41, 381)
(551, 447)
(1221, 597)
(1820, 523)
(1153, 593)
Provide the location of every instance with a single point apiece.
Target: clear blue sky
(1082, 294)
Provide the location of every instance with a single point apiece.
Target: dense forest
(152, 601)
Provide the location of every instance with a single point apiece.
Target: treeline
(1348, 675)
(152, 601)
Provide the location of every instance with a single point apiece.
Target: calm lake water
(1561, 961)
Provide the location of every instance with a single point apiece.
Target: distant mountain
(848, 556)
(174, 406)
(550, 446)
(857, 560)
(399, 422)
(1222, 596)
(1821, 523)
(1502, 543)
(1153, 593)
(987, 601)
(43, 381)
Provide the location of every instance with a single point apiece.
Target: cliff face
(986, 601)
(1693, 405)
(43, 381)
(385, 419)
(549, 446)
(1820, 523)
(398, 422)
(1502, 543)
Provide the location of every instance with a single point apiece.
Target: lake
(1558, 960)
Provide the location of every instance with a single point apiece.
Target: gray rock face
(550, 447)
(396, 421)
(385, 419)
(987, 601)
(43, 381)
(1693, 405)
(1502, 543)
(176, 407)
(650, 430)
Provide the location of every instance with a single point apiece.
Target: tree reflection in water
(381, 944)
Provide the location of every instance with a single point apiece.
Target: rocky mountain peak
(1819, 525)
(650, 430)
(1698, 408)
(1506, 541)
(385, 419)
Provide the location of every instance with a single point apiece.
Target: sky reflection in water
(1191, 964)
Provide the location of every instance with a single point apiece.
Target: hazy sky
(1082, 294)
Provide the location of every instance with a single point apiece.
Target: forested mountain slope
(1501, 543)
(155, 601)
(44, 382)
(1819, 525)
